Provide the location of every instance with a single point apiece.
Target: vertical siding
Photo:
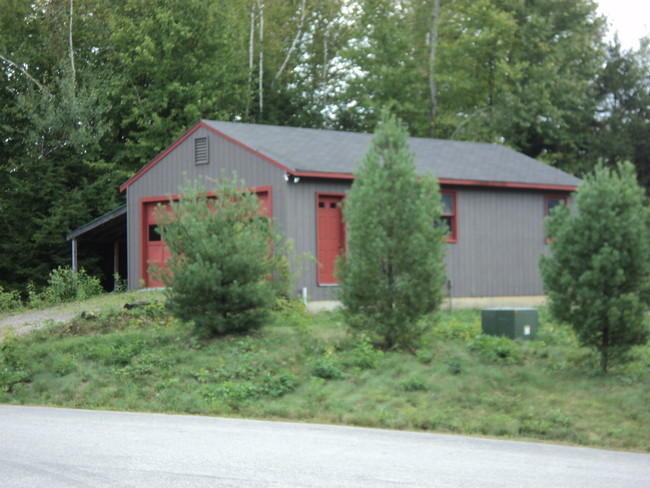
(500, 240)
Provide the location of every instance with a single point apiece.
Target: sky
(630, 17)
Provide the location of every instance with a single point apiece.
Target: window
(449, 213)
(550, 202)
(201, 153)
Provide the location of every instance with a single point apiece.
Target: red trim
(453, 237)
(144, 229)
(316, 174)
(507, 184)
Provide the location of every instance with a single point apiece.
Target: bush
(12, 371)
(9, 300)
(327, 367)
(64, 285)
(496, 349)
(226, 260)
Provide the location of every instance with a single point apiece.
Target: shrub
(9, 300)
(496, 349)
(223, 273)
(327, 367)
(64, 285)
(12, 371)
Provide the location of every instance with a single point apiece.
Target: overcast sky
(631, 18)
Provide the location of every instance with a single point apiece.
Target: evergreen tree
(598, 276)
(394, 270)
(220, 269)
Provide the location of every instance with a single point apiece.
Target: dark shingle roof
(327, 151)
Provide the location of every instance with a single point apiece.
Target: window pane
(552, 203)
(446, 221)
(447, 203)
(153, 233)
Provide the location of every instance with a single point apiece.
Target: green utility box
(515, 323)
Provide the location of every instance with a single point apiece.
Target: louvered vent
(201, 155)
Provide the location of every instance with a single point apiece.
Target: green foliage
(64, 285)
(144, 360)
(598, 277)
(496, 349)
(327, 366)
(394, 271)
(12, 369)
(225, 259)
(9, 300)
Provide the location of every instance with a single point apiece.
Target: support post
(74, 255)
(116, 264)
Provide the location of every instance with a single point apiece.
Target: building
(495, 200)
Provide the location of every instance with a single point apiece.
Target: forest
(90, 90)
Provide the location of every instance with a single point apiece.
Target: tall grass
(309, 368)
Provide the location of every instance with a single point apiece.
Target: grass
(104, 303)
(308, 368)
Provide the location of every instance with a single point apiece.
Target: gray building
(495, 200)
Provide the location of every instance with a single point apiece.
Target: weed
(363, 355)
(9, 300)
(415, 383)
(12, 370)
(455, 365)
(496, 349)
(327, 366)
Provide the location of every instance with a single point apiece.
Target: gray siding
(500, 241)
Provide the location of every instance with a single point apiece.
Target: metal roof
(305, 151)
(111, 222)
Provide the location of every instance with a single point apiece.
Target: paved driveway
(43, 447)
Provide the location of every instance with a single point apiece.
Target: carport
(104, 237)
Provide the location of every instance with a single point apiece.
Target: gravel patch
(22, 323)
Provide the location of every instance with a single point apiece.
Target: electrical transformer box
(515, 323)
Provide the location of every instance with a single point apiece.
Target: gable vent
(201, 154)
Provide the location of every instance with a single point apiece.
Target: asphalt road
(45, 447)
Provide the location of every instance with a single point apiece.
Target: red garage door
(154, 249)
(331, 236)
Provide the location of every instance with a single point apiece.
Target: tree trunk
(604, 351)
(433, 88)
(260, 89)
(73, 72)
(294, 43)
(251, 52)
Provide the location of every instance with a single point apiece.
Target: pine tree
(598, 275)
(394, 271)
(224, 255)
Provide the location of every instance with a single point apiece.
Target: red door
(155, 250)
(331, 236)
